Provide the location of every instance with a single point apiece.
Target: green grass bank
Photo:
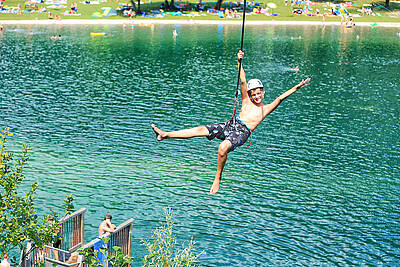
(23, 10)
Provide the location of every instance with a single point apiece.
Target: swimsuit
(56, 241)
(237, 133)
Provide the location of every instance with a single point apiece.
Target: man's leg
(223, 150)
(182, 134)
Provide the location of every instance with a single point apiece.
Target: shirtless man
(4, 262)
(234, 133)
(106, 226)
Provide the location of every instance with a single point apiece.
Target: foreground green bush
(161, 250)
(115, 259)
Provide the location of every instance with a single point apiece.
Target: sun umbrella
(271, 5)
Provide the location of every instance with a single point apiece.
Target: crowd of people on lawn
(231, 11)
(33, 7)
(309, 8)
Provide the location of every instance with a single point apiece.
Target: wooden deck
(72, 232)
(122, 237)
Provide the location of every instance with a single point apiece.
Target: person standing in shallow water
(234, 134)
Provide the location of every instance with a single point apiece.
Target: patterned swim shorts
(237, 133)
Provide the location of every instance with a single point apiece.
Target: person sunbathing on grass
(234, 132)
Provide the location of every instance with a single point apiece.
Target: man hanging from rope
(237, 130)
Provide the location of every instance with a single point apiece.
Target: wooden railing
(72, 238)
(72, 230)
(49, 256)
(61, 257)
(30, 257)
(122, 237)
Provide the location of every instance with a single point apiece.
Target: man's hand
(303, 83)
(240, 55)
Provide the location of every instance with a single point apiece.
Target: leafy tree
(169, 5)
(219, 4)
(68, 205)
(18, 217)
(161, 249)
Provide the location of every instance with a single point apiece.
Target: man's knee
(224, 148)
(202, 130)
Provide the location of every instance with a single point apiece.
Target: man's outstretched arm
(271, 107)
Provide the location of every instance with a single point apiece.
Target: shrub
(18, 217)
(161, 251)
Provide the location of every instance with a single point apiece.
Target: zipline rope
(236, 103)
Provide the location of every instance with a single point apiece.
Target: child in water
(234, 133)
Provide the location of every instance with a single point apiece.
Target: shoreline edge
(189, 22)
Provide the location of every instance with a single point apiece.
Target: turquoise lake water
(319, 185)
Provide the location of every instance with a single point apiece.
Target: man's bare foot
(215, 185)
(160, 135)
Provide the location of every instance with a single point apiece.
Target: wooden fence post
(82, 229)
(130, 240)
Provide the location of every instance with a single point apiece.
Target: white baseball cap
(254, 84)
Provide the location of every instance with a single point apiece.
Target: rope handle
(241, 48)
(236, 103)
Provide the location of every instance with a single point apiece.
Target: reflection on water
(318, 185)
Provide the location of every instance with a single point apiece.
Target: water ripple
(318, 186)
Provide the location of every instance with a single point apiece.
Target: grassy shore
(381, 14)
